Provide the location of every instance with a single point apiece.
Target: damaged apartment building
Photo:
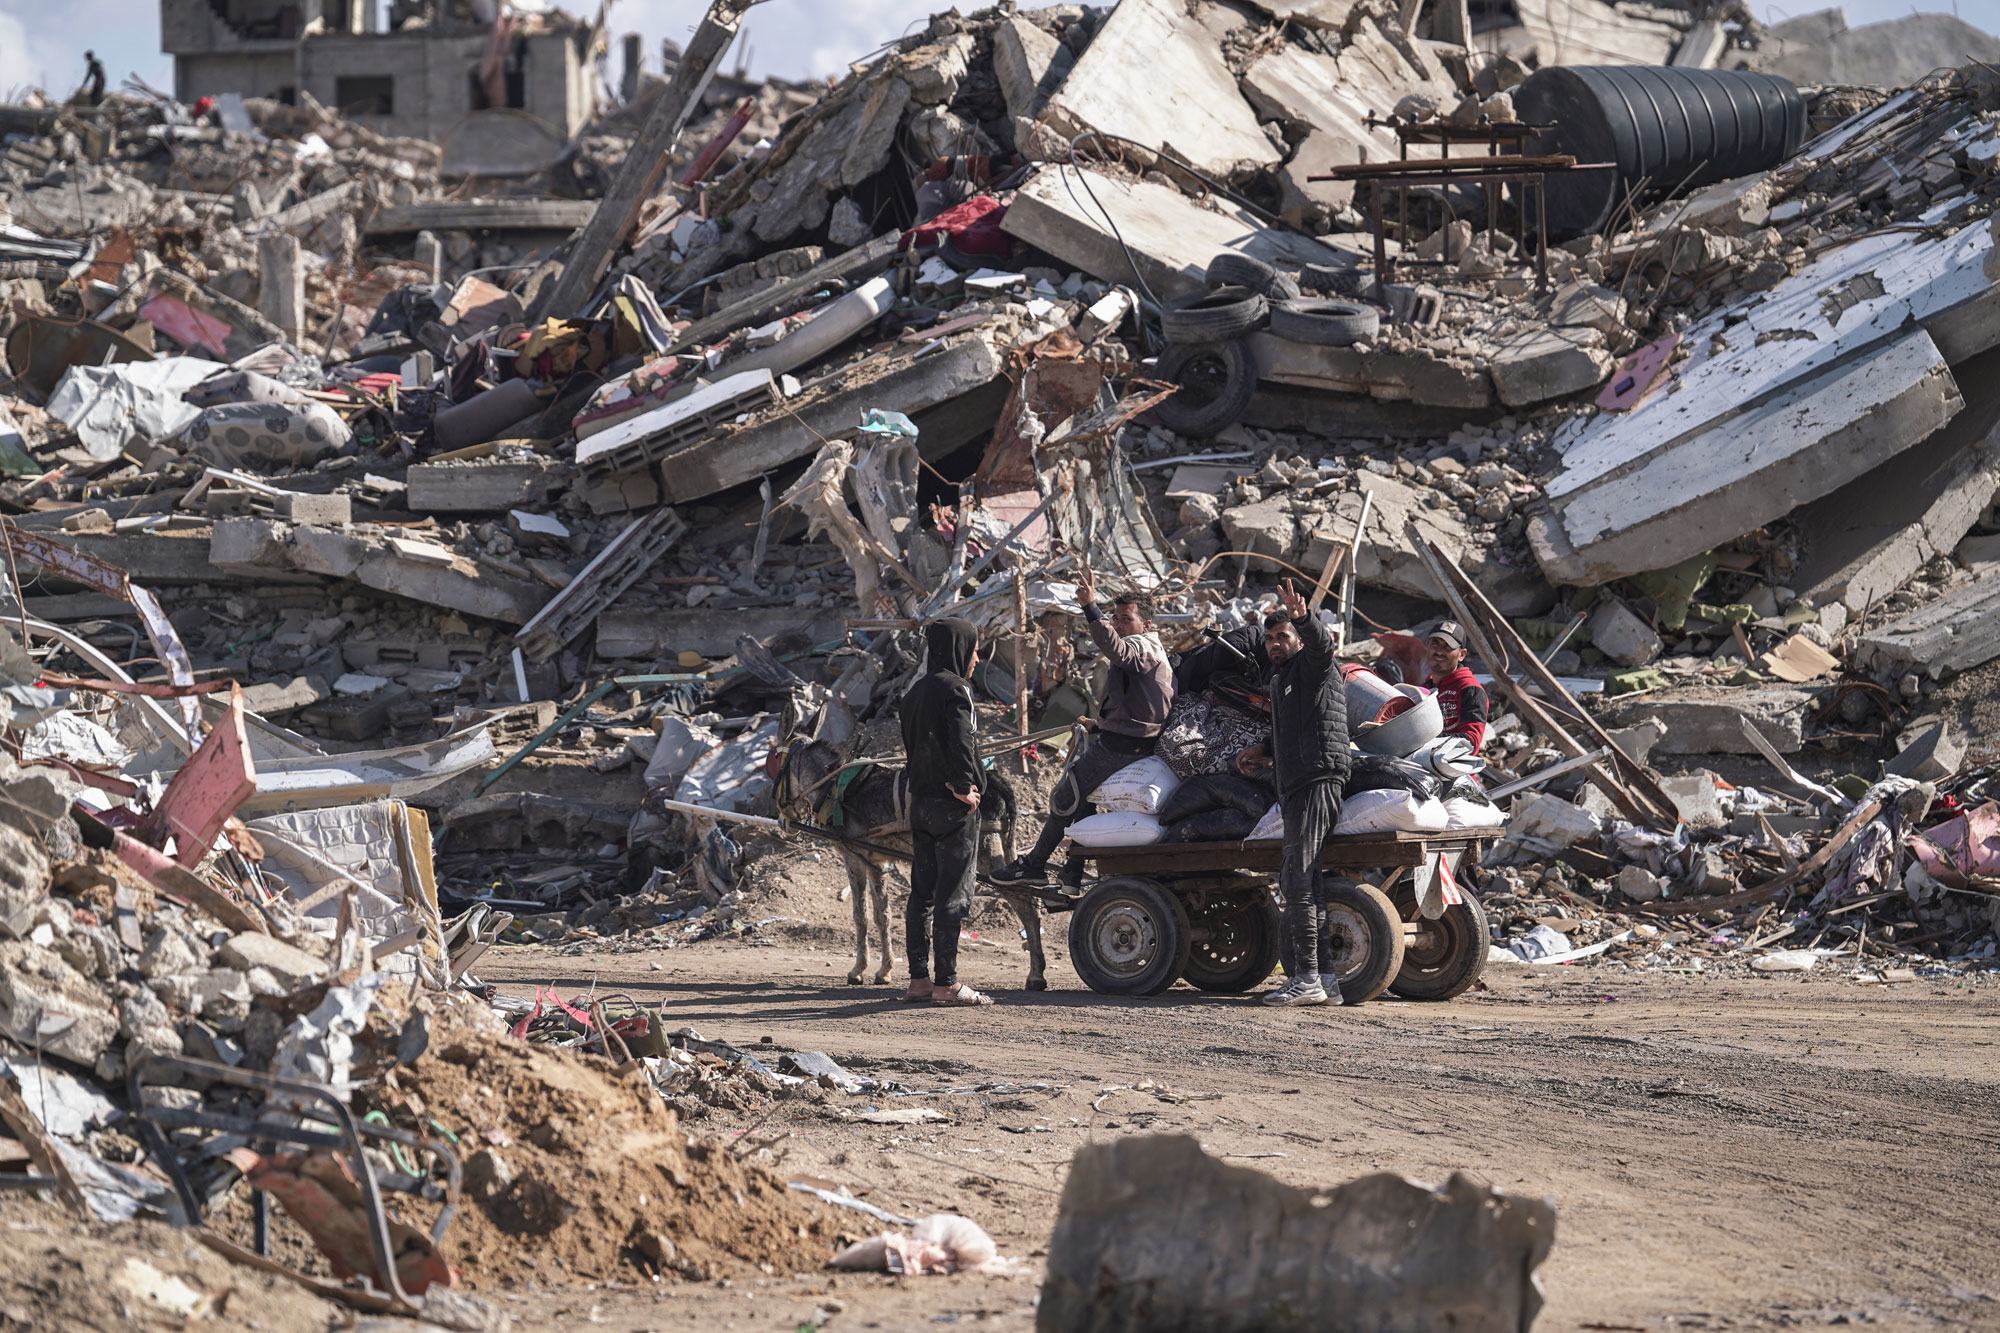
(415, 68)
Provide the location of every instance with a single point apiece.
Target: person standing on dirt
(1309, 750)
(1138, 694)
(940, 732)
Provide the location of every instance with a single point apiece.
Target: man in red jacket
(1461, 697)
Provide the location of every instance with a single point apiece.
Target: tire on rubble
(1216, 382)
(1223, 314)
(1230, 269)
(1324, 323)
(1325, 280)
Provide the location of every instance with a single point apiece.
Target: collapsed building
(395, 567)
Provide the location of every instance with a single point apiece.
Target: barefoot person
(1309, 746)
(1137, 696)
(939, 738)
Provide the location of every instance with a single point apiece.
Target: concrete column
(281, 293)
(430, 255)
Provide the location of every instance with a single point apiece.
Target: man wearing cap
(1461, 698)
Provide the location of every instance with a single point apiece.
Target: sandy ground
(1724, 1154)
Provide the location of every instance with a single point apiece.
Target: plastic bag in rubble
(1215, 791)
(941, 1243)
(1136, 788)
(1117, 828)
(1450, 757)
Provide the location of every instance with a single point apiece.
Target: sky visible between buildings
(43, 44)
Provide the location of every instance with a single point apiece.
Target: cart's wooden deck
(1346, 851)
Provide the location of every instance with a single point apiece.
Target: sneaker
(1298, 991)
(1018, 871)
(1071, 875)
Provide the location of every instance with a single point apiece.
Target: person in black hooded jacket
(942, 751)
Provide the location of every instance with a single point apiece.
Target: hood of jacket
(949, 644)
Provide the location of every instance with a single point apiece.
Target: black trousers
(1104, 753)
(1310, 815)
(943, 847)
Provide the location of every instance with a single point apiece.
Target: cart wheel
(1445, 956)
(1233, 944)
(1367, 939)
(1128, 937)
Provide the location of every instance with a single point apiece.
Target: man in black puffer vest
(1309, 740)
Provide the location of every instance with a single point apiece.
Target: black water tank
(1666, 129)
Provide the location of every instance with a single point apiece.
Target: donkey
(868, 801)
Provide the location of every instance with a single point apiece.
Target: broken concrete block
(1709, 721)
(1267, 527)
(1170, 237)
(1977, 550)
(1386, 559)
(1030, 65)
(1319, 91)
(46, 1005)
(1549, 823)
(1155, 75)
(1640, 884)
(1415, 376)
(249, 545)
(1621, 635)
(1152, 1233)
(325, 510)
(1934, 755)
(1587, 305)
(1870, 537)
(1955, 633)
(1638, 740)
(1536, 366)
(291, 965)
(1695, 798)
(275, 698)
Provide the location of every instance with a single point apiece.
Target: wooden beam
(645, 165)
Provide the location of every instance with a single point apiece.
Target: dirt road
(1759, 1153)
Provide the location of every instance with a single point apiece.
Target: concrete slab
(964, 366)
(478, 486)
(1869, 538)
(1955, 633)
(1153, 74)
(1387, 376)
(1748, 455)
(1297, 84)
(1544, 364)
(1387, 560)
(1030, 64)
(1070, 212)
(1709, 720)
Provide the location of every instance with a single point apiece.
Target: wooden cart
(1206, 913)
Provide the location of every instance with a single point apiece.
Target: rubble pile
(394, 568)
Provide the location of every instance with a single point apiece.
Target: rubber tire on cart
(1128, 936)
(1447, 955)
(1324, 323)
(1367, 937)
(1230, 269)
(1217, 382)
(1234, 942)
(1221, 315)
